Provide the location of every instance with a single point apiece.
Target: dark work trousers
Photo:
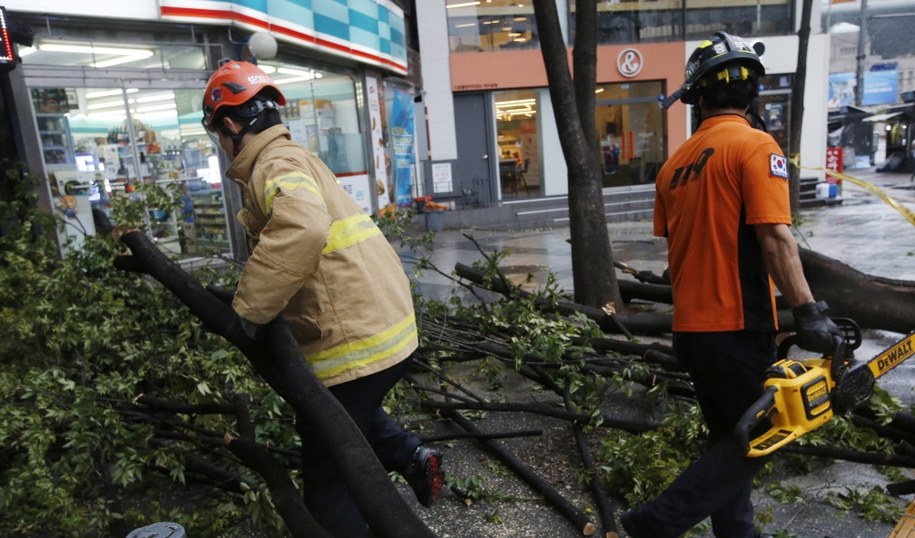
(728, 371)
(325, 493)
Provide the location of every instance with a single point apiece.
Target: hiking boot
(425, 475)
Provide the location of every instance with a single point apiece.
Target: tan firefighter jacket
(318, 260)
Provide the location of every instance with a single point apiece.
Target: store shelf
(54, 132)
(209, 225)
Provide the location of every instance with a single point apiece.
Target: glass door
(630, 126)
(101, 142)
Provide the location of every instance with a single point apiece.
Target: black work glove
(254, 331)
(223, 294)
(815, 331)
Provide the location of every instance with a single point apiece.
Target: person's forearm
(783, 262)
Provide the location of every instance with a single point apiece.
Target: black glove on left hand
(254, 331)
(223, 294)
(815, 331)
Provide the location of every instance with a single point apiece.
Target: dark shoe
(635, 525)
(425, 475)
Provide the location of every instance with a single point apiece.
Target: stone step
(620, 204)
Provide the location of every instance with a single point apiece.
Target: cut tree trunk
(873, 302)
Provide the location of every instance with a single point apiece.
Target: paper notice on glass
(298, 131)
(441, 178)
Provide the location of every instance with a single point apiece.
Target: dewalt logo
(893, 356)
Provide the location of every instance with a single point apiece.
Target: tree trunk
(796, 118)
(872, 301)
(281, 364)
(594, 284)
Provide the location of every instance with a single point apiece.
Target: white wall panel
(436, 77)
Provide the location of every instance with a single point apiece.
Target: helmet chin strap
(237, 137)
(255, 110)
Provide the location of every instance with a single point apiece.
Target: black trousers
(728, 371)
(325, 493)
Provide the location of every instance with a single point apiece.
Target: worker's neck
(711, 113)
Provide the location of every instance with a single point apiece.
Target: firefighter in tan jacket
(318, 261)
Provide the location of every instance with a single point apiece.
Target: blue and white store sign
(368, 31)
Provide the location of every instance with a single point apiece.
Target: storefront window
(518, 141)
(634, 22)
(630, 127)
(746, 18)
(322, 114)
(491, 25)
(643, 21)
(100, 143)
(775, 106)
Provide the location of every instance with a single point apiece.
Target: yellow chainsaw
(801, 395)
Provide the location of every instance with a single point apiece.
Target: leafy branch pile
(526, 335)
(113, 399)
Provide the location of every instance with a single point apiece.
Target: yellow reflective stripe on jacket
(351, 355)
(350, 231)
(289, 182)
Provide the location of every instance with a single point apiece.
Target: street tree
(593, 274)
(795, 120)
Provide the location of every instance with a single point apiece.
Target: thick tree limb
(283, 367)
(872, 301)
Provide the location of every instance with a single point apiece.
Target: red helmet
(234, 84)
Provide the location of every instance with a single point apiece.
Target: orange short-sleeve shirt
(727, 177)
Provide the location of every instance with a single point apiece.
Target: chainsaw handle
(850, 342)
(838, 364)
(756, 413)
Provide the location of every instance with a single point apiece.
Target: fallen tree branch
(567, 509)
(872, 301)
(606, 322)
(604, 508)
(905, 487)
(847, 454)
(299, 522)
(481, 436)
(540, 409)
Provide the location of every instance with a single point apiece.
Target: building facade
(470, 125)
(876, 123)
(492, 136)
(109, 96)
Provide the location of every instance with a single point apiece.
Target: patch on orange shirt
(778, 165)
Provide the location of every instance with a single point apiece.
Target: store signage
(833, 162)
(368, 32)
(629, 62)
(7, 58)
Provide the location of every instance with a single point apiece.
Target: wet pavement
(862, 231)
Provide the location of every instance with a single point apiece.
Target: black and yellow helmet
(723, 58)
